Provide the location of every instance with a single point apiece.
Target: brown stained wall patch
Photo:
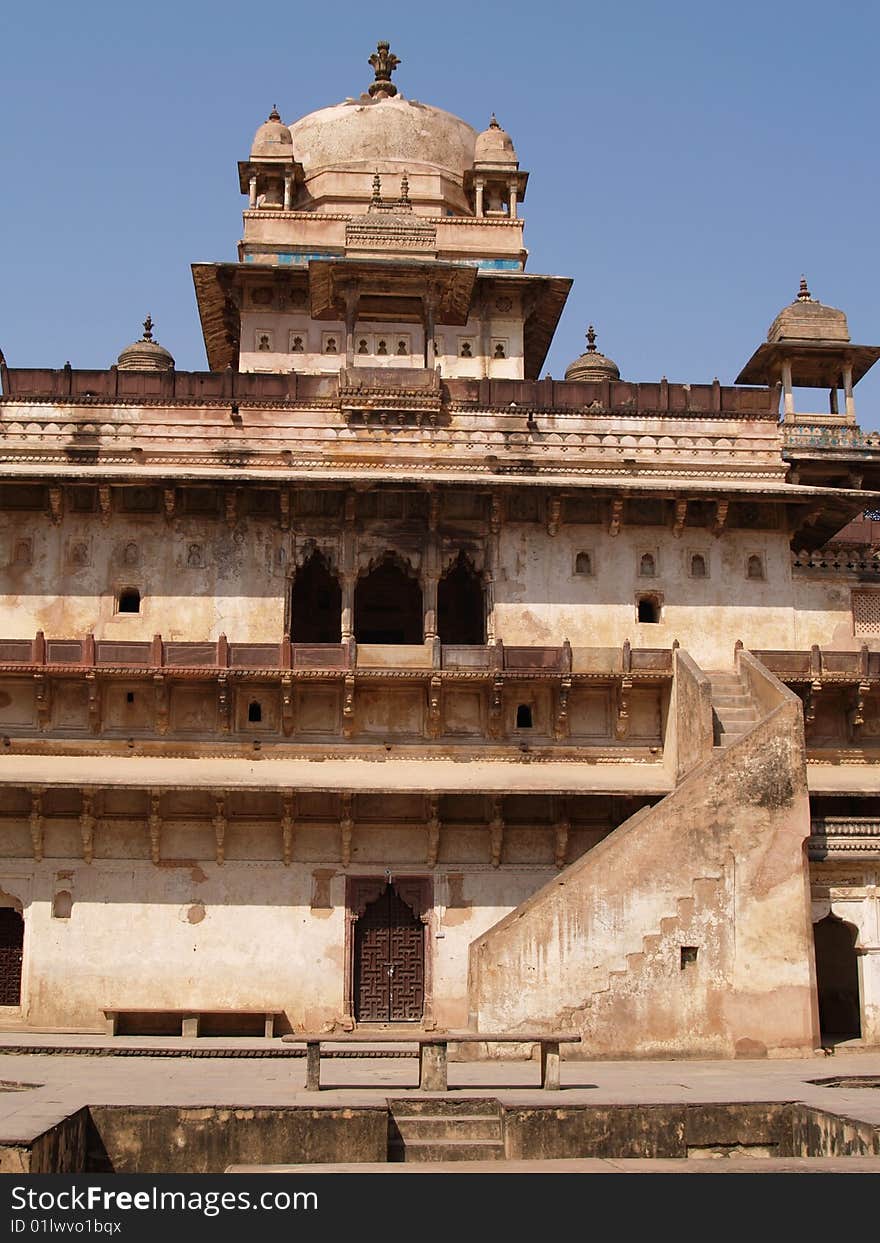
(196, 913)
(322, 903)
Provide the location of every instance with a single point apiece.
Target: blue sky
(688, 160)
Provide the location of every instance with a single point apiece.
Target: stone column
(348, 569)
(848, 395)
(787, 394)
(252, 191)
(288, 190)
(480, 185)
(511, 191)
(429, 314)
(351, 311)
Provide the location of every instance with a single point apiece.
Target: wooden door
(389, 961)
(11, 944)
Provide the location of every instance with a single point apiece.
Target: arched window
(583, 563)
(499, 350)
(316, 603)
(382, 347)
(129, 601)
(330, 345)
(647, 565)
(698, 566)
(754, 567)
(363, 348)
(402, 347)
(297, 346)
(460, 611)
(388, 605)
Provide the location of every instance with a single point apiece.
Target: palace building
(372, 676)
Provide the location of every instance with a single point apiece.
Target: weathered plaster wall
(540, 599)
(824, 614)
(689, 734)
(716, 869)
(851, 891)
(247, 933)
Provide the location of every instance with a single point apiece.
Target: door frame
(418, 893)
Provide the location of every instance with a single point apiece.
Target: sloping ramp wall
(686, 932)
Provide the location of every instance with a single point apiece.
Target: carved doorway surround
(388, 969)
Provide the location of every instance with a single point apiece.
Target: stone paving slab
(587, 1165)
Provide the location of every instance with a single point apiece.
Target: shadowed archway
(461, 615)
(837, 978)
(316, 605)
(388, 605)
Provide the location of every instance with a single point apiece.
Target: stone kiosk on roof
(367, 678)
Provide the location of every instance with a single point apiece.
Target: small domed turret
(592, 365)
(146, 354)
(495, 146)
(272, 140)
(805, 319)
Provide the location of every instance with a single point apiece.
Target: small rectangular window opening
(524, 716)
(688, 955)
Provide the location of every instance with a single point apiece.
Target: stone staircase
(435, 1128)
(733, 709)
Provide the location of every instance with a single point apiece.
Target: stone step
(435, 1106)
(732, 701)
(446, 1126)
(447, 1150)
(744, 712)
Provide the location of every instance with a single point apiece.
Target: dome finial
(274, 115)
(148, 328)
(383, 63)
(591, 340)
(403, 201)
(804, 294)
(493, 122)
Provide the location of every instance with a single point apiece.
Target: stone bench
(190, 1017)
(432, 1051)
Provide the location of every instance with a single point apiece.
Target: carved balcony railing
(844, 835)
(839, 559)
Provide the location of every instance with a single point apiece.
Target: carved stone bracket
(721, 508)
(223, 703)
(621, 724)
(94, 703)
(346, 829)
(287, 715)
(230, 506)
(616, 517)
(811, 701)
(161, 702)
(560, 840)
(169, 502)
(284, 509)
(681, 509)
(42, 695)
(433, 826)
(496, 833)
(154, 826)
(433, 510)
(56, 504)
(554, 514)
(220, 824)
(288, 825)
(104, 502)
(561, 725)
(434, 711)
(496, 706)
(856, 714)
(87, 825)
(348, 706)
(36, 822)
(496, 513)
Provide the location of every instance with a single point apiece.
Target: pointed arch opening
(837, 978)
(388, 605)
(11, 952)
(316, 605)
(461, 614)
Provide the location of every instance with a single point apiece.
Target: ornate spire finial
(591, 340)
(274, 115)
(804, 294)
(493, 122)
(383, 62)
(377, 190)
(404, 190)
(148, 328)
